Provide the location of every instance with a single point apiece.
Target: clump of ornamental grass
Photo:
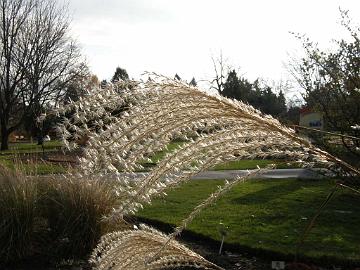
(155, 112)
(18, 210)
(51, 217)
(74, 210)
(124, 125)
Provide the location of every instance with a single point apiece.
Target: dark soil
(228, 261)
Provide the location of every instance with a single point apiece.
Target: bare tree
(221, 72)
(37, 59)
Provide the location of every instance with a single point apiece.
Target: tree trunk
(4, 140)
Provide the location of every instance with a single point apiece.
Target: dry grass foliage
(52, 217)
(137, 249)
(74, 210)
(159, 110)
(123, 130)
(18, 207)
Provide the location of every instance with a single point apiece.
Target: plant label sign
(277, 265)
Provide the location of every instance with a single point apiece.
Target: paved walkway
(276, 173)
(232, 174)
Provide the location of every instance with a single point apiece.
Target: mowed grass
(7, 156)
(32, 168)
(20, 148)
(232, 165)
(269, 215)
(14, 158)
(254, 163)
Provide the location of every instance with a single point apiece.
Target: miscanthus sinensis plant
(125, 129)
(133, 244)
(125, 124)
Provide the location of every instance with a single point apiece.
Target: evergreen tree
(193, 82)
(255, 94)
(177, 77)
(120, 75)
(232, 87)
(103, 84)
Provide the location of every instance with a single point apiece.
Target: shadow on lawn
(268, 194)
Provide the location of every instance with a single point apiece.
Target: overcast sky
(180, 36)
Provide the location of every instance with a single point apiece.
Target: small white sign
(277, 265)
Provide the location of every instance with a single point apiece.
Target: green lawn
(170, 148)
(33, 148)
(20, 148)
(252, 164)
(37, 168)
(232, 165)
(269, 215)
(12, 158)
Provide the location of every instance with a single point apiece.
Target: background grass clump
(18, 209)
(74, 210)
(51, 218)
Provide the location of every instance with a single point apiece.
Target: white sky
(180, 36)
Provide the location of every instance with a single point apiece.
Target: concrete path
(232, 174)
(276, 173)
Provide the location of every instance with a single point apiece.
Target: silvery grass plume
(133, 249)
(125, 125)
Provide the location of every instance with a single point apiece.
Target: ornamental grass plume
(131, 249)
(125, 125)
